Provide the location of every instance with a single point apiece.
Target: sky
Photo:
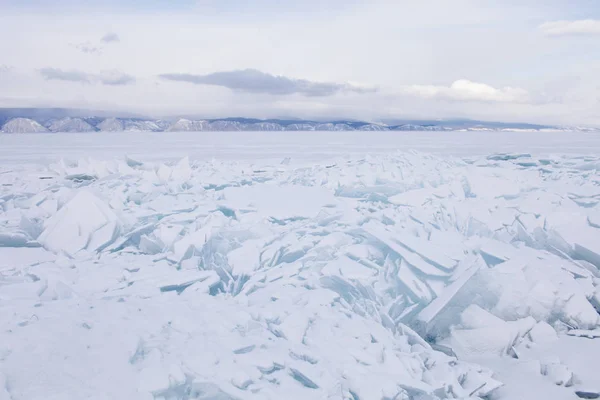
(516, 60)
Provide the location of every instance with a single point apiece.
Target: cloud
(68, 76)
(254, 81)
(115, 78)
(91, 48)
(465, 90)
(564, 28)
(88, 48)
(110, 37)
(111, 78)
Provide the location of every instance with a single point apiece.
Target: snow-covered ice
(337, 269)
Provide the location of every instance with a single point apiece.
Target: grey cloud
(254, 81)
(112, 78)
(60, 75)
(111, 37)
(115, 78)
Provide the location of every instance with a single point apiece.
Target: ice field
(337, 265)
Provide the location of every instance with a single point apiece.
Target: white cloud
(465, 90)
(579, 27)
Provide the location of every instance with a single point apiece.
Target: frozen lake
(19, 148)
(204, 267)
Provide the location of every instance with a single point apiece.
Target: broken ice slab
(85, 222)
(31, 227)
(245, 259)
(415, 287)
(241, 380)
(203, 390)
(588, 250)
(543, 334)
(55, 290)
(479, 384)
(342, 287)
(193, 242)
(365, 192)
(527, 162)
(513, 266)
(495, 252)
(15, 239)
(452, 242)
(132, 236)
(132, 162)
(474, 317)
(422, 267)
(425, 320)
(181, 280)
(417, 197)
(579, 268)
(150, 245)
(585, 394)
(81, 178)
(396, 309)
(480, 333)
(399, 241)
(30, 201)
(167, 234)
(104, 236)
(590, 334)
(581, 241)
(211, 286)
(348, 268)
(508, 156)
(182, 171)
(18, 258)
(416, 389)
(585, 202)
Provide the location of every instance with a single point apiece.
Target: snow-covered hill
(111, 125)
(120, 124)
(142, 126)
(23, 125)
(185, 125)
(69, 124)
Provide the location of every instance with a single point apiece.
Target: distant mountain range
(36, 120)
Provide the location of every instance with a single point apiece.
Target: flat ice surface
(318, 265)
(271, 145)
